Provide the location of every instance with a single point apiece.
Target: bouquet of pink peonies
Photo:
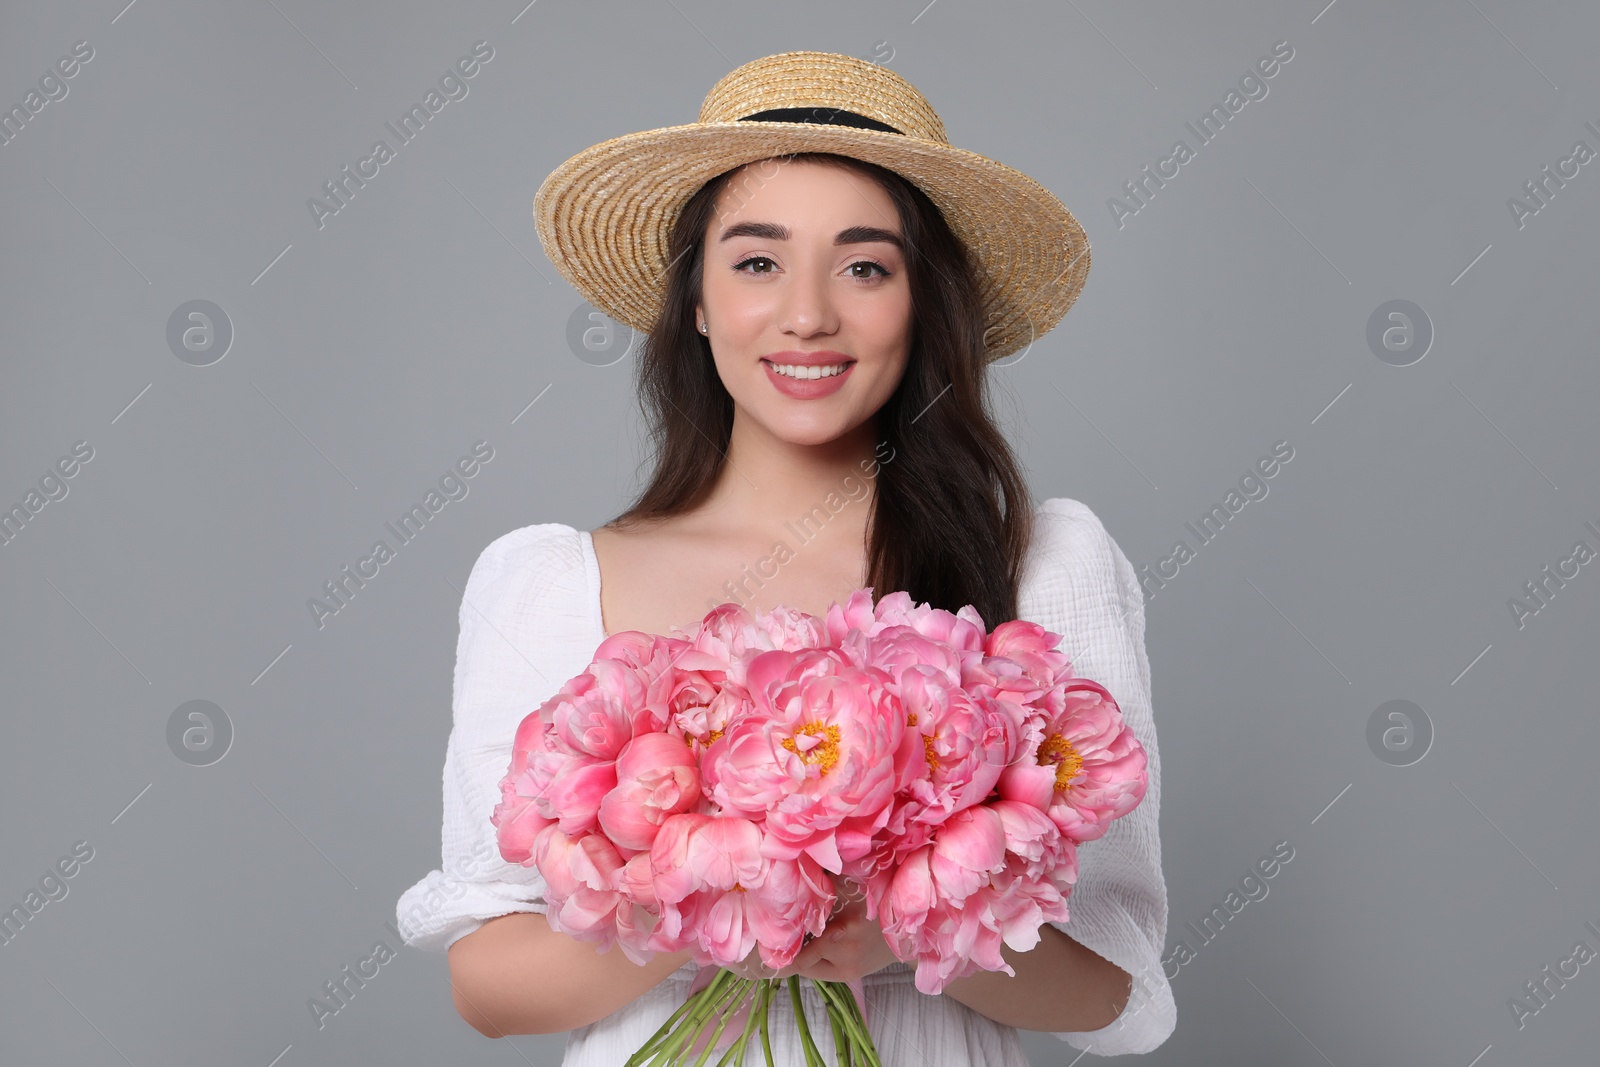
(703, 793)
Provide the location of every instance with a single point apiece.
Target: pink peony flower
(967, 742)
(816, 754)
(963, 630)
(794, 898)
(693, 852)
(705, 724)
(656, 776)
(959, 940)
(789, 629)
(651, 655)
(638, 913)
(773, 913)
(517, 819)
(1033, 649)
(1088, 767)
(898, 649)
(695, 861)
(573, 789)
(902, 899)
(1035, 845)
(594, 714)
(950, 905)
(581, 876)
(968, 848)
(689, 705)
(962, 738)
(730, 637)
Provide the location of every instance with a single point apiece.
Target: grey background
(1227, 315)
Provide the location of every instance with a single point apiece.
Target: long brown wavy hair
(951, 516)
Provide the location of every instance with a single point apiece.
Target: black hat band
(828, 116)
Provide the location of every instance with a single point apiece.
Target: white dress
(530, 619)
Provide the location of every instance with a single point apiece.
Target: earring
(703, 327)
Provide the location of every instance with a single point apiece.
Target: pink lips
(802, 388)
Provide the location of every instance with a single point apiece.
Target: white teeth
(809, 373)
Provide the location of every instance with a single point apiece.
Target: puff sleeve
(503, 670)
(1084, 588)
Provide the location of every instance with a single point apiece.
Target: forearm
(1060, 986)
(515, 975)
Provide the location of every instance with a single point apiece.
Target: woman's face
(803, 265)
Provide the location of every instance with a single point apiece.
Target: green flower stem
(842, 1003)
(807, 1045)
(665, 1028)
(841, 1040)
(766, 1037)
(735, 1054)
(687, 1022)
(729, 995)
(669, 1039)
(853, 1045)
(845, 1039)
(689, 1012)
(722, 1023)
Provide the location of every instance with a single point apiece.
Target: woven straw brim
(604, 216)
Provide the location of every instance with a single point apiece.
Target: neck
(767, 482)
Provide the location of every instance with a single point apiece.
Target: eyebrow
(776, 231)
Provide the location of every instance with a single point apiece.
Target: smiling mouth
(811, 373)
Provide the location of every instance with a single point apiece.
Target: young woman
(823, 280)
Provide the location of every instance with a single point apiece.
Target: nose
(806, 308)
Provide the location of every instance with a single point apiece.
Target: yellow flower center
(825, 753)
(930, 754)
(1058, 750)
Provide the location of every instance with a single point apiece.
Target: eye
(753, 259)
(883, 272)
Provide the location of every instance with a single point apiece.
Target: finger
(793, 967)
(852, 912)
(823, 971)
(807, 956)
(815, 960)
(821, 949)
(841, 928)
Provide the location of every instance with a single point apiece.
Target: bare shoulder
(652, 575)
(638, 546)
(678, 541)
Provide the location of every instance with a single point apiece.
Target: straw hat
(605, 214)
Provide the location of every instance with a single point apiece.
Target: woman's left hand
(851, 945)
